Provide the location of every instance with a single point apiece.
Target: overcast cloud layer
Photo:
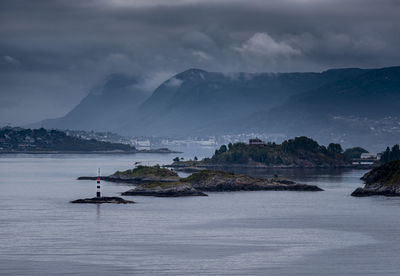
(52, 52)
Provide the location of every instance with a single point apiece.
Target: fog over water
(232, 233)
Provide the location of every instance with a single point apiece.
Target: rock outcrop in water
(220, 181)
(384, 180)
(158, 189)
(217, 181)
(103, 199)
(139, 175)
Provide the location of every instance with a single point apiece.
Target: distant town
(148, 142)
(15, 139)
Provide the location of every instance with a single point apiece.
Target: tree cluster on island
(147, 171)
(354, 153)
(390, 154)
(300, 151)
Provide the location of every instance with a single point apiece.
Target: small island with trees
(299, 152)
(214, 174)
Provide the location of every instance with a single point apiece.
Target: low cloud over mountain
(54, 51)
(351, 106)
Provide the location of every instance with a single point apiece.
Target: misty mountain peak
(119, 80)
(114, 82)
(196, 101)
(192, 73)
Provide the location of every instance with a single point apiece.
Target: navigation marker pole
(98, 184)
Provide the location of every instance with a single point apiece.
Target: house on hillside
(256, 142)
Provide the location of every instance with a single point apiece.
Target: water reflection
(255, 233)
(98, 212)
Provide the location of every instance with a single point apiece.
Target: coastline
(88, 152)
(381, 181)
(191, 168)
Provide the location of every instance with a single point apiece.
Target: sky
(53, 52)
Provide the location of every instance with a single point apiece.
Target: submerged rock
(103, 199)
(383, 180)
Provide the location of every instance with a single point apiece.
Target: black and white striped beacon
(98, 184)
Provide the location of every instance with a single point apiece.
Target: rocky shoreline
(198, 167)
(130, 180)
(103, 199)
(164, 190)
(221, 181)
(139, 175)
(376, 190)
(217, 181)
(382, 181)
(162, 182)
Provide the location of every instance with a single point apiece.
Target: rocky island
(217, 181)
(383, 180)
(163, 189)
(221, 181)
(139, 175)
(103, 199)
(300, 152)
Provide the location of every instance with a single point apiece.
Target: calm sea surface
(238, 233)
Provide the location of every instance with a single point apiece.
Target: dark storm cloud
(52, 51)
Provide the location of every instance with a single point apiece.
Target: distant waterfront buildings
(366, 159)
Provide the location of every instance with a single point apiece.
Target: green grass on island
(147, 171)
(196, 177)
(163, 185)
(207, 174)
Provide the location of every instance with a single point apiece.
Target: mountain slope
(105, 107)
(349, 106)
(199, 102)
(362, 108)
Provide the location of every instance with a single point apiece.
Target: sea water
(230, 233)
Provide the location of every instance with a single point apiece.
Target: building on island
(256, 142)
(366, 159)
(369, 156)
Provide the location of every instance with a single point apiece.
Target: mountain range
(352, 106)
